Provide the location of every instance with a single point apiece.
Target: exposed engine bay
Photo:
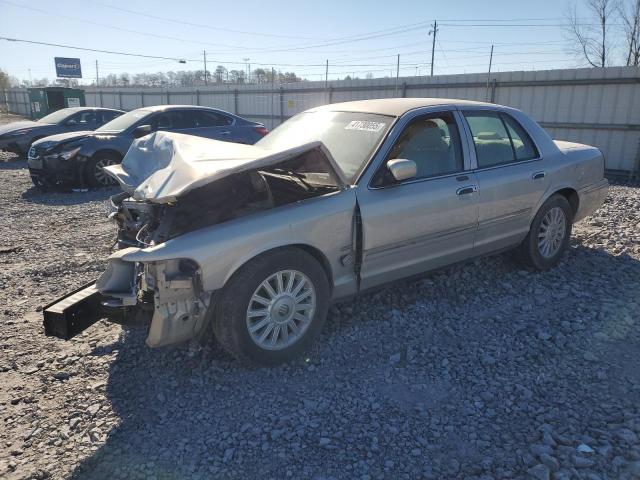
(143, 224)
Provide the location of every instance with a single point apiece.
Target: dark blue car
(17, 137)
(77, 158)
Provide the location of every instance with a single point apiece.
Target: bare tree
(630, 15)
(593, 34)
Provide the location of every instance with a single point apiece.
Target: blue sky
(290, 35)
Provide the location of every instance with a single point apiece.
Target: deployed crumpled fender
(164, 165)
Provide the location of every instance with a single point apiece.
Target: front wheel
(94, 174)
(271, 310)
(549, 234)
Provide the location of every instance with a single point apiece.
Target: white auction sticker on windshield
(365, 126)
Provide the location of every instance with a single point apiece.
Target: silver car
(257, 241)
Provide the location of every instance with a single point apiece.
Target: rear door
(105, 116)
(510, 175)
(425, 222)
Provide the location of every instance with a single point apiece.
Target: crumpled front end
(181, 231)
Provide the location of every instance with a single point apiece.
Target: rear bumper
(591, 199)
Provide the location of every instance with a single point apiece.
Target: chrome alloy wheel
(281, 310)
(100, 175)
(553, 229)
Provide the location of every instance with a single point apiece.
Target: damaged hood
(165, 165)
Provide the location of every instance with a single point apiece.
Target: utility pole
(97, 73)
(486, 95)
(204, 53)
(246, 61)
(397, 73)
(326, 75)
(434, 32)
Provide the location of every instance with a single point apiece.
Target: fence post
(142, 98)
(494, 86)
(634, 172)
(100, 92)
(404, 89)
(236, 101)
(120, 99)
(197, 97)
(25, 95)
(168, 98)
(281, 104)
(330, 94)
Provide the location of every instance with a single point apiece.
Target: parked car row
(17, 137)
(72, 146)
(258, 240)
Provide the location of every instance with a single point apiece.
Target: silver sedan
(257, 241)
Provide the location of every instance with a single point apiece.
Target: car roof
(395, 106)
(157, 108)
(80, 109)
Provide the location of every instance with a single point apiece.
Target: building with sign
(45, 100)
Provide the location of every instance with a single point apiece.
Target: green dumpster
(44, 100)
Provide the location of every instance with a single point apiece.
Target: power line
(112, 27)
(200, 25)
(180, 60)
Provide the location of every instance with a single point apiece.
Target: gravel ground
(483, 370)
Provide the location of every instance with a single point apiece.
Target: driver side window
(433, 143)
(83, 118)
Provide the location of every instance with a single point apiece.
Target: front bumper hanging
(76, 311)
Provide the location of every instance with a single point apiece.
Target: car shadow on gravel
(60, 197)
(469, 389)
(13, 163)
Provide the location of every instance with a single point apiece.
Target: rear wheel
(271, 310)
(94, 174)
(549, 234)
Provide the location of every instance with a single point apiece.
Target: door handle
(225, 133)
(538, 175)
(467, 190)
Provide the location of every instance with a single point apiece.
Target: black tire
(230, 314)
(91, 173)
(529, 251)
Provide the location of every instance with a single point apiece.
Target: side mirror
(141, 131)
(402, 169)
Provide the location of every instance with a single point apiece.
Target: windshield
(124, 121)
(57, 117)
(350, 137)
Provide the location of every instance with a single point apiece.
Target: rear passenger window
(498, 139)
(211, 119)
(522, 144)
(108, 116)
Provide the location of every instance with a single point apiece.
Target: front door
(511, 178)
(425, 222)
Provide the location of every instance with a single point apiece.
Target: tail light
(261, 129)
